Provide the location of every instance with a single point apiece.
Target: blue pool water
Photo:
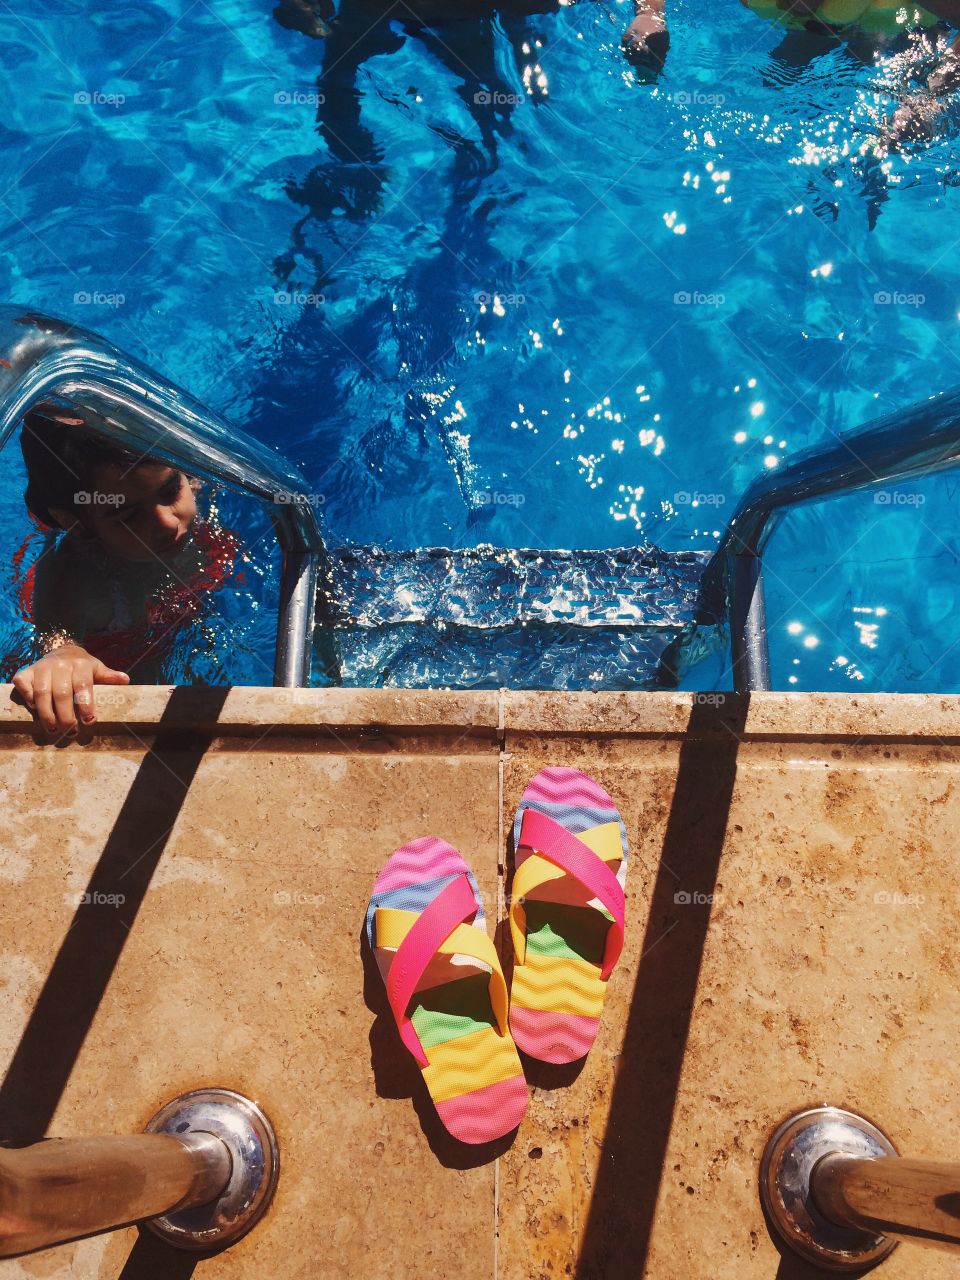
(693, 279)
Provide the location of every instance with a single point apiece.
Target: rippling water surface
(484, 285)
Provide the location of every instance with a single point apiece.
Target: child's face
(141, 513)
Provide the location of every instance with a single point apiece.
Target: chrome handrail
(201, 1176)
(65, 1188)
(42, 356)
(916, 441)
(835, 1190)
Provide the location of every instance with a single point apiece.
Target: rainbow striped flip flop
(446, 988)
(566, 912)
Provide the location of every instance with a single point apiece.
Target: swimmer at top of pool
(129, 562)
(876, 23)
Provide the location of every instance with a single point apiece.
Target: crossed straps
(555, 853)
(440, 929)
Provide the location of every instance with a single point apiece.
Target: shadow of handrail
(35, 1081)
(617, 1236)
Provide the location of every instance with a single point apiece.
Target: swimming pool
(507, 293)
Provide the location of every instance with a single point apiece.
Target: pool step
(487, 616)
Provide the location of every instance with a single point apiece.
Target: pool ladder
(42, 356)
(913, 442)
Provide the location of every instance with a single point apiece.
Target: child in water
(126, 570)
(867, 24)
(646, 39)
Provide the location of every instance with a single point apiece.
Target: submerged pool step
(487, 616)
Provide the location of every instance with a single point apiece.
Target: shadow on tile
(93, 942)
(153, 1259)
(617, 1235)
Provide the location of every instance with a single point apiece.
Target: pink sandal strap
(555, 843)
(453, 905)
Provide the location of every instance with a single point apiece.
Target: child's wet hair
(61, 456)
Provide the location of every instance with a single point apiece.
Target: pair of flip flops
(445, 987)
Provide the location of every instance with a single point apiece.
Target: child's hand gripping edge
(58, 688)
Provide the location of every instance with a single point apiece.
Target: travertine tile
(780, 715)
(235, 960)
(241, 708)
(246, 861)
(806, 979)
